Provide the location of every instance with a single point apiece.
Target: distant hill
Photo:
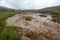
(48, 9)
(2, 8)
(5, 9)
(52, 9)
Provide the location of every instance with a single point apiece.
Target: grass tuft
(28, 18)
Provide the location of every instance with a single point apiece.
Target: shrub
(28, 18)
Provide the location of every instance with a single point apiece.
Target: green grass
(3, 16)
(10, 33)
(2, 24)
(28, 18)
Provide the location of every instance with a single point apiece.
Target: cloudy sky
(29, 4)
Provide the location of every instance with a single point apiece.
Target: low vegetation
(4, 15)
(10, 32)
(56, 17)
(28, 18)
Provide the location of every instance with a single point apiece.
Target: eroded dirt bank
(39, 28)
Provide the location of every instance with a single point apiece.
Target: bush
(10, 33)
(28, 18)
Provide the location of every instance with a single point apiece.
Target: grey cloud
(29, 4)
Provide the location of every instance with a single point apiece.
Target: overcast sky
(29, 4)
